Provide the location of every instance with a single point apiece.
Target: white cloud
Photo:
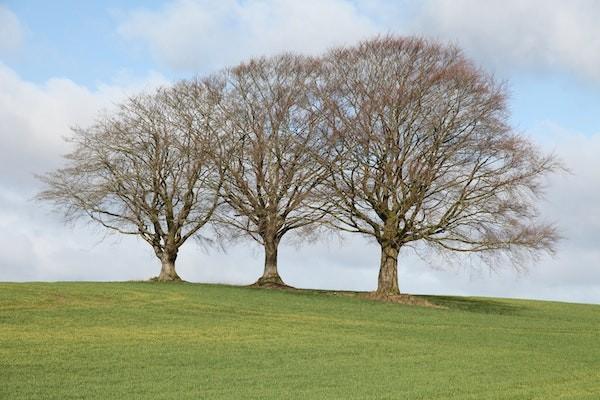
(11, 31)
(201, 34)
(35, 119)
(551, 34)
(503, 34)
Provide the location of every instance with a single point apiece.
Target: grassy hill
(190, 341)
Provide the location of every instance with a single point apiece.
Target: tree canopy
(403, 140)
(426, 153)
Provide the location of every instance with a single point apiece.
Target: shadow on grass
(475, 305)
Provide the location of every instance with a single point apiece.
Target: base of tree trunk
(175, 278)
(270, 282)
(392, 292)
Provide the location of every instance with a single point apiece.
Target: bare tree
(151, 169)
(425, 153)
(273, 130)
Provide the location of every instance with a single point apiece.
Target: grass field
(191, 341)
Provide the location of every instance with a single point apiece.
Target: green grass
(190, 341)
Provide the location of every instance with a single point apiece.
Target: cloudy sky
(61, 62)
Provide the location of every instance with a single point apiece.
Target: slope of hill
(191, 341)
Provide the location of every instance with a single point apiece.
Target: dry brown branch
(151, 169)
(273, 134)
(425, 153)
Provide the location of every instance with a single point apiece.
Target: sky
(63, 62)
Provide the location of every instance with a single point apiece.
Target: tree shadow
(476, 305)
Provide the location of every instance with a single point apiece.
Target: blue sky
(61, 62)
(80, 40)
(73, 39)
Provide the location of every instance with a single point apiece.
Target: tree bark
(167, 271)
(387, 284)
(270, 275)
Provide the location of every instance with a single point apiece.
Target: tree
(273, 135)
(150, 169)
(426, 153)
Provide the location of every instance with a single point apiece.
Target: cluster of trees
(398, 139)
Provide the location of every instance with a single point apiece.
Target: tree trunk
(167, 271)
(270, 275)
(387, 284)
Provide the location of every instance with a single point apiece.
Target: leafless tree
(150, 169)
(273, 130)
(425, 153)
